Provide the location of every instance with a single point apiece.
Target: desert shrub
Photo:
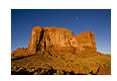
(67, 73)
(59, 72)
(36, 73)
(42, 71)
(32, 70)
(54, 73)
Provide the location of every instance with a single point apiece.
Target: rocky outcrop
(55, 41)
(52, 39)
(59, 40)
(21, 53)
(87, 39)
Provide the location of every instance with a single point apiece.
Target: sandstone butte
(61, 50)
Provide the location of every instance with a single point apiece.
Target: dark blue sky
(76, 20)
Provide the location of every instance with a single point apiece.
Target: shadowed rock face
(35, 39)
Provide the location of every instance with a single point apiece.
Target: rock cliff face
(87, 39)
(54, 41)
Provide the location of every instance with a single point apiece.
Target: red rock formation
(35, 39)
(19, 52)
(86, 39)
(52, 39)
(59, 49)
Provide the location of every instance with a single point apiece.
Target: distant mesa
(55, 45)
